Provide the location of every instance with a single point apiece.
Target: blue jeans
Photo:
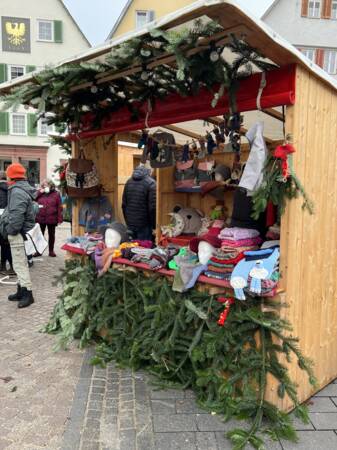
(142, 234)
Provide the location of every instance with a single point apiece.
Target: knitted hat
(116, 226)
(224, 171)
(211, 237)
(16, 172)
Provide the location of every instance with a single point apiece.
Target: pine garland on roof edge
(53, 89)
(177, 339)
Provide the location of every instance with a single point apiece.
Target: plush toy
(184, 221)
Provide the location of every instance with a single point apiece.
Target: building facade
(34, 34)
(138, 13)
(310, 25)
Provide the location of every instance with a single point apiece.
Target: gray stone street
(59, 401)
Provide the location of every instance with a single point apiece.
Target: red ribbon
(282, 152)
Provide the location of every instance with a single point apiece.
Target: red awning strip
(279, 90)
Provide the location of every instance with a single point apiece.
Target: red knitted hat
(211, 237)
(16, 172)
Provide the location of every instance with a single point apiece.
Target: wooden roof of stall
(232, 17)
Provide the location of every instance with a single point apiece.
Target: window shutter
(151, 15)
(32, 125)
(58, 31)
(326, 9)
(4, 123)
(320, 57)
(305, 8)
(30, 69)
(3, 73)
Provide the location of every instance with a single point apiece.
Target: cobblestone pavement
(59, 401)
(124, 413)
(36, 384)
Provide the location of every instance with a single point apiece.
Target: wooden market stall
(308, 242)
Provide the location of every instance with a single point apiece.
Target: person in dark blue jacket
(139, 204)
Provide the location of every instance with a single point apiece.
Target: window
(314, 9)
(334, 9)
(310, 53)
(330, 61)
(44, 128)
(15, 72)
(18, 124)
(143, 17)
(45, 30)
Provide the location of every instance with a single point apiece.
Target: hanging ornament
(214, 56)
(144, 75)
(215, 52)
(85, 108)
(94, 89)
(112, 89)
(227, 302)
(145, 52)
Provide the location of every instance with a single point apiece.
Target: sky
(97, 17)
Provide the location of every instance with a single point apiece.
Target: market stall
(263, 219)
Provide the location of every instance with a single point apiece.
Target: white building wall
(41, 55)
(285, 18)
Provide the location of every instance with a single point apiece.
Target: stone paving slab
(36, 402)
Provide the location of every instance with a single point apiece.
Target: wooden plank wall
(126, 156)
(168, 198)
(103, 151)
(309, 243)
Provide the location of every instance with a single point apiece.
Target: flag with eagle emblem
(15, 34)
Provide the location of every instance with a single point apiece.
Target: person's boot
(27, 298)
(52, 253)
(17, 296)
(11, 272)
(3, 269)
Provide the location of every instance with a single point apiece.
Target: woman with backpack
(50, 213)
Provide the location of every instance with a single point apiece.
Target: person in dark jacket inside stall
(17, 219)
(139, 204)
(6, 255)
(50, 214)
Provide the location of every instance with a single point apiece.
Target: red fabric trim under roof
(279, 90)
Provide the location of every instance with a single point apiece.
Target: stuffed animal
(184, 221)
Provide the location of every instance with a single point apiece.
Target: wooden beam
(179, 130)
(217, 120)
(222, 37)
(274, 113)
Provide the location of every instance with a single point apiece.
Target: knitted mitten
(239, 278)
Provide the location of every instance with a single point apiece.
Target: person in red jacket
(50, 213)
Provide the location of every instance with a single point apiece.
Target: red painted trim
(280, 90)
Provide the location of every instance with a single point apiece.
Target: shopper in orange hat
(16, 221)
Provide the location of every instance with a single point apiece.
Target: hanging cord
(149, 111)
(263, 84)
(284, 124)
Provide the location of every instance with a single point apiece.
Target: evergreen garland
(53, 89)
(277, 189)
(175, 337)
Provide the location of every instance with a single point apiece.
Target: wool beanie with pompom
(16, 172)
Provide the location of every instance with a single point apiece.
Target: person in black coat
(139, 204)
(6, 255)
